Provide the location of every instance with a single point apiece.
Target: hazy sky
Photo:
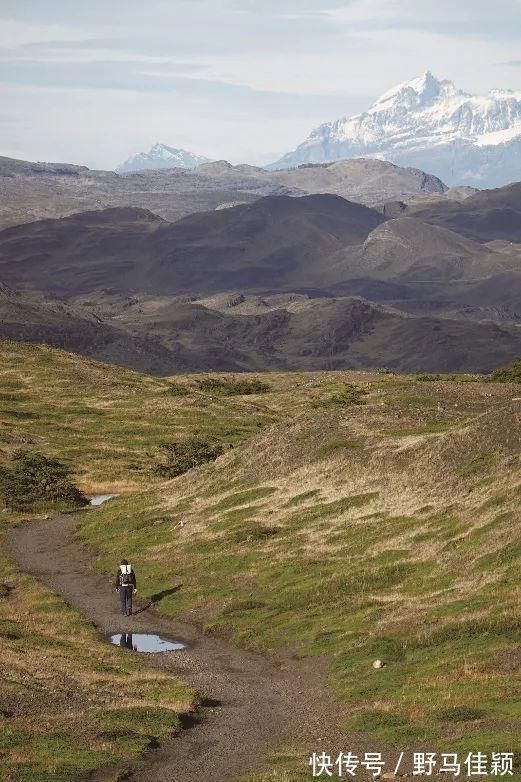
(91, 81)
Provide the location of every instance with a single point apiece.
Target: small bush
(175, 389)
(183, 455)
(5, 590)
(460, 714)
(508, 374)
(348, 395)
(232, 386)
(435, 378)
(33, 481)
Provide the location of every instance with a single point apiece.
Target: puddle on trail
(101, 498)
(145, 642)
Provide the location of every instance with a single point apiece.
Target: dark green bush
(5, 590)
(460, 714)
(508, 374)
(233, 386)
(175, 389)
(32, 481)
(346, 396)
(182, 455)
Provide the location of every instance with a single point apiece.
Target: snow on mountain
(432, 125)
(161, 156)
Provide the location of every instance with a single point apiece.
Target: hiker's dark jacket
(125, 579)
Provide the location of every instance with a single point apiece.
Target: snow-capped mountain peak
(420, 91)
(161, 156)
(430, 124)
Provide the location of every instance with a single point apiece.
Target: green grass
(108, 422)
(440, 663)
(298, 499)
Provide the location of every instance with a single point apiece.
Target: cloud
(468, 18)
(15, 33)
(246, 79)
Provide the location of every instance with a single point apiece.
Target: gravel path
(250, 703)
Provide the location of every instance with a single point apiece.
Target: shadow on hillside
(158, 597)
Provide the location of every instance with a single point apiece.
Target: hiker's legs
(123, 599)
(129, 591)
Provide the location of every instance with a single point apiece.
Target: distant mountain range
(35, 191)
(161, 156)
(429, 124)
(355, 263)
(426, 123)
(309, 282)
(277, 243)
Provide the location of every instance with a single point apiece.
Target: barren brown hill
(366, 180)
(407, 249)
(275, 242)
(36, 191)
(484, 217)
(33, 318)
(234, 332)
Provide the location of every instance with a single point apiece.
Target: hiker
(126, 586)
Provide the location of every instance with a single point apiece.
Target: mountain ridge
(430, 124)
(161, 156)
(269, 243)
(34, 191)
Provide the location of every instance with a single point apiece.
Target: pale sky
(92, 81)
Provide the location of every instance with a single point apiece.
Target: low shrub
(460, 714)
(233, 386)
(348, 395)
(32, 481)
(182, 455)
(508, 374)
(176, 389)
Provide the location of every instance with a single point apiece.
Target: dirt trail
(250, 702)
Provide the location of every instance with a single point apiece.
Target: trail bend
(251, 703)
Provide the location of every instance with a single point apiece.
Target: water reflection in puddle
(145, 642)
(101, 498)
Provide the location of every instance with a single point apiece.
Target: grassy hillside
(358, 516)
(388, 530)
(108, 422)
(70, 703)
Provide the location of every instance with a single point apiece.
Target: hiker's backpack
(125, 575)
